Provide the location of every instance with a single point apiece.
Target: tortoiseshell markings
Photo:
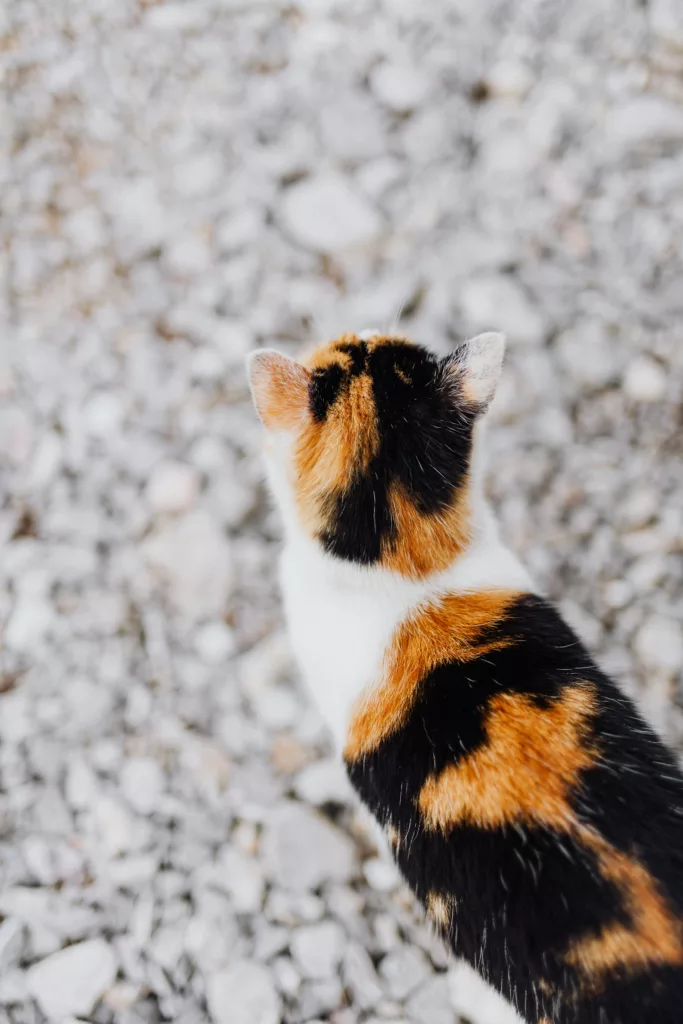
(528, 770)
(441, 631)
(654, 935)
(393, 836)
(528, 773)
(424, 544)
(329, 453)
(347, 495)
(440, 909)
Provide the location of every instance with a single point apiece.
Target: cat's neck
(486, 563)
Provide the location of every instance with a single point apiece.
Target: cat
(527, 804)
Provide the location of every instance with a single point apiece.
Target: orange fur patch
(393, 835)
(328, 454)
(440, 909)
(439, 632)
(654, 934)
(424, 544)
(526, 772)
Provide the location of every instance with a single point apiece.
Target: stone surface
(242, 994)
(324, 213)
(71, 981)
(303, 850)
(318, 949)
(172, 487)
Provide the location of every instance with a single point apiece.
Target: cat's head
(369, 445)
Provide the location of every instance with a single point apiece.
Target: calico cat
(528, 805)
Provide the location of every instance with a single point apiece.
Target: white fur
(341, 616)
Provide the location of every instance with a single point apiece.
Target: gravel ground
(180, 183)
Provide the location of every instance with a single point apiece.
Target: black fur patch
(521, 894)
(425, 438)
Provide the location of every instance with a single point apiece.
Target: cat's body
(531, 810)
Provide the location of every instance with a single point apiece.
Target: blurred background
(180, 183)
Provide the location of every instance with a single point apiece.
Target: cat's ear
(279, 387)
(474, 369)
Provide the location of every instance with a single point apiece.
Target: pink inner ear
(279, 386)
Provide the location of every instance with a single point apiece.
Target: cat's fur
(528, 805)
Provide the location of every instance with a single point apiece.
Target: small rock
(243, 994)
(324, 782)
(587, 354)
(31, 620)
(360, 978)
(317, 949)
(303, 850)
(325, 214)
(381, 875)
(13, 987)
(499, 303)
(103, 414)
(644, 120)
(214, 643)
(403, 970)
(243, 878)
(645, 380)
(72, 981)
(82, 787)
(659, 645)
(142, 784)
(287, 977)
(431, 1004)
(321, 999)
(509, 77)
(666, 18)
(193, 558)
(173, 487)
(12, 938)
(401, 87)
(16, 435)
(114, 824)
(288, 754)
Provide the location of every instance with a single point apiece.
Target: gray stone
(303, 850)
(360, 977)
(318, 948)
(72, 981)
(403, 970)
(192, 558)
(499, 303)
(242, 994)
(172, 487)
(431, 1004)
(325, 214)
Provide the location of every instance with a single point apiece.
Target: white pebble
(242, 993)
(214, 643)
(401, 87)
(323, 782)
(659, 644)
(192, 557)
(645, 380)
(381, 875)
(317, 949)
(142, 783)
(71, 981)
(325, 214)
(499, 303)
(302, 850)
(172, 487)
